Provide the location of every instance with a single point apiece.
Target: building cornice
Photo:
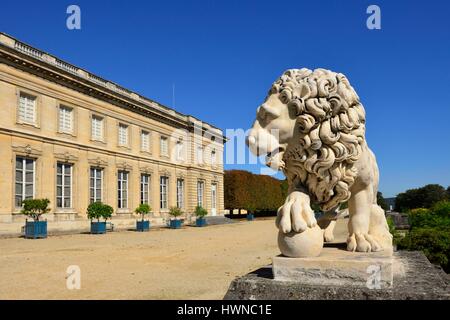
(31, 60)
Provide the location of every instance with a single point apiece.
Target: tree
(175, 212)
(250, 208)
(236, 189)
(245, 190)
(143, 209)
(34, 208)
(423, 197)
(435, 244)
(381, 201)
(448, 193)
(97, 210)
(430, 232)
(200, 211)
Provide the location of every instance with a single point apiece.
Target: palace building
(75, 138)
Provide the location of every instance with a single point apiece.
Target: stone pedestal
(340, 267)
(340, 275)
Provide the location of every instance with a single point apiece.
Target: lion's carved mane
(330, 127)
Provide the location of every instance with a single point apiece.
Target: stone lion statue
(312, 127)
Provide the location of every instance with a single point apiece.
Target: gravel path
(191, 263)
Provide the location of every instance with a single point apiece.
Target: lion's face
(272, 130)
(312, 126)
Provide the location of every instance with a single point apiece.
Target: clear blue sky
(223, 55)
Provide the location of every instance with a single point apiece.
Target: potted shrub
(250, 212)
(175, 212)
(34, 208)
(98, 210)
(200, 213)
(143, 225)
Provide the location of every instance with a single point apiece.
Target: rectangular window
(145, 141)
(96, 184)
(213, 198)
(145, 188)
(122, 190)
(25, 177)
(200, 191)
(97, 128)
(27, 108)
(123, 135)
(64, 185)
(213, 158)
(199, 155)
(65, 119)
(180, 150)
(164, 146)
(163, 192)
(180, 193)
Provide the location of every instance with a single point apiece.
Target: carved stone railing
(122, 90)
(22, 47)
(66, 66)
(97, 80)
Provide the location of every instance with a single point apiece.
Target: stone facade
(59, 122)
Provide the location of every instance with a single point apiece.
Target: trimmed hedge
(245, 190)
(434, 242)
(430, 233)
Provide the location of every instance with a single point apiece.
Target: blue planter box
(200, 222)
(142, 225)
(98, 227)
(250, 217)
(35, 229)
(175, 224)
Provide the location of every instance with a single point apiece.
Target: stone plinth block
(418, 279)
(339, 267)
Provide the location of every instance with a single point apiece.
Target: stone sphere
(308, 243)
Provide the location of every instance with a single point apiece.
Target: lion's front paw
(328, 232)
(295, 214)
(362, 243)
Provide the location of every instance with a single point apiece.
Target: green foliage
(200, 211)
(381, 201)
(391, 225)
(423, 197)
(250, 207)
(244, 190)
(442, 209)
(175, 212)
(434, 242)
(98, 210)
(315, 207)
(430, 233)
(395, 234)
(236, 188)
(344, 205)
(34, 208)
(426, 218)
(143, 209)
(285, 188)
(419, 211)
